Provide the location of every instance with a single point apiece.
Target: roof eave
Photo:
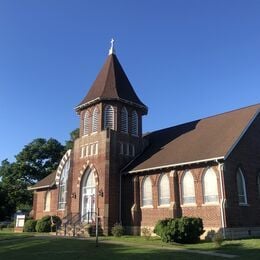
(96, 100)
(177, 164)
(41, 187)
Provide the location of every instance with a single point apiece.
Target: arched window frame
(86, 123)
(63, 185)
(188, 189)
(164, 190)
(47, 201)
(241, 187)
(147, 192)
(124, 120)
(210, 187)
(95, 120)
(88, 188)
(109, 117)
(134, 126)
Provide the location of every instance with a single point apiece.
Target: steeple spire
(112, 48)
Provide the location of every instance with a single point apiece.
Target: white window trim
(147, 207)
(239, 171)
(109, 111)
(95, 113)
(86, 124)
(65, 185)
(216, 202)
(164, 206)
(125, 113)
(159, 190)
(142, 198)
(134, 115)
(182, 190)
(45, 200)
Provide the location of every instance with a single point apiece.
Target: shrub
(2, 226)
(117, 230)
(29, 225)
(11, 225)
(89, 229)
(43, 225)
(218, 239)
(180, 230)
(48, 224)
(146, 233)
(55, 223)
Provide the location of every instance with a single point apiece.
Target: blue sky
(186, 59)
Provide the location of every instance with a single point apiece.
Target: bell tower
(110, 135)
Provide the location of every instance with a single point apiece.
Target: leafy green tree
(38, 159)
(73, 136)
(13, 189)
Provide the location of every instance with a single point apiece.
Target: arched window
(86, 123)
(88, 192)
(124, 120)
(210, 186)
(63, 185)
(134, 129)
(188, 191)
(164, 190)
(258, 184)
(147, 199)
(95, 120)
(241, 187)
(109, 117)
(47, 201)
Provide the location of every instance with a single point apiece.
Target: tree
(73, 136)
(13, 190)
(38, 159)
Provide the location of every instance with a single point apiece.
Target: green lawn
(23, 246)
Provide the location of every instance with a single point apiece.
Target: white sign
(20, 220)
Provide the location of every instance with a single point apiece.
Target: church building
(208, 168)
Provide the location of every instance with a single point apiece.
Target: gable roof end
(47, 182)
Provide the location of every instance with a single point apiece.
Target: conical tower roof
(112, 84)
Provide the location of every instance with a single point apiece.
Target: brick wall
(246, 155)
(148, 216)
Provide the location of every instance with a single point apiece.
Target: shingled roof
(200, 140)
(112, 84)
(47, 182)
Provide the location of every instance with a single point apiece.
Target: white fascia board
(39, 187)
(178, 164)
(242, 134)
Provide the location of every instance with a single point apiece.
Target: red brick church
(208, 168)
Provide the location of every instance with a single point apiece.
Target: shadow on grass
(69, 249)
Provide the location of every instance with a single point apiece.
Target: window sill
(189, 205)
(243, 204)
(164, 206)
(210, 204)
(147, 207)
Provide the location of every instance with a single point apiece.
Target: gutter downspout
(222, 203)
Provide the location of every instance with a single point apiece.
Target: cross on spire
(112, 48)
